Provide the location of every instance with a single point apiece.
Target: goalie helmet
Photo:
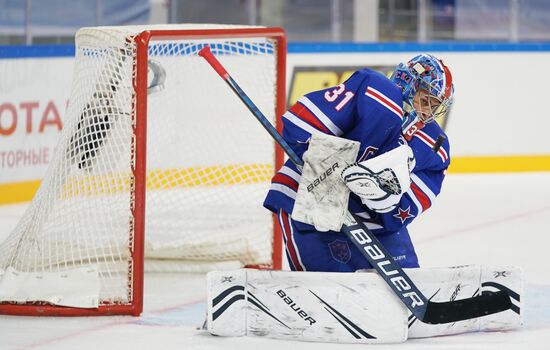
(428, 73)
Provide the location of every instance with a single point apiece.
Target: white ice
(497, 219)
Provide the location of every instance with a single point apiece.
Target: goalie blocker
(350, 307)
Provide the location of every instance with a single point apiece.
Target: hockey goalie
(369, 147)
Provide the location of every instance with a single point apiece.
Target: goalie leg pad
(306, 306)
(455, 283)
(350, 308)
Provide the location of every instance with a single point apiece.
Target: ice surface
(485, 219)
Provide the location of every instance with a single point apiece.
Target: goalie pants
(334, 252)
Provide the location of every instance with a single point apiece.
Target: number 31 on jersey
(332, 96)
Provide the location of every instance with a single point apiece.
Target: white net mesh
(208, 161)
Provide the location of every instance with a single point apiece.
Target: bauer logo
(298, 310)
(313, 78)
(322, 177)
(385, 265)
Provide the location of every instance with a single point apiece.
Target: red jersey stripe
(285, 180)
(388, 103)
(289, 242)
(421, 196)
(303, 113)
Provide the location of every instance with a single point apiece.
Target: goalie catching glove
(381, 181)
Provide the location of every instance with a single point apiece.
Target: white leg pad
(351, 308)
(455, 283)
(227, 303)
(307, 306)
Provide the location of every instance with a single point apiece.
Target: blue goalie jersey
(366, 108)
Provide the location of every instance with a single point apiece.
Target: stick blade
(459, 310)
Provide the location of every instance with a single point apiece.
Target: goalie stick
(425, 310)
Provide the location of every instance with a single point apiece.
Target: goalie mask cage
(157, 159)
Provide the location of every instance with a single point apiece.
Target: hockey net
(157, 157)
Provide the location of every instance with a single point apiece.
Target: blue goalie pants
(310, 250)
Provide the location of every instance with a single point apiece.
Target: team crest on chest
(340, 251)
